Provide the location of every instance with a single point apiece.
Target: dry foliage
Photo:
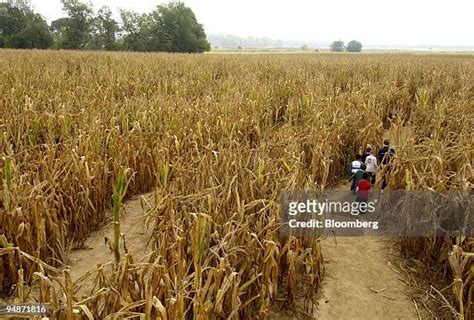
(219, 137)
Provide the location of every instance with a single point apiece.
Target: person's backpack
(355, 165)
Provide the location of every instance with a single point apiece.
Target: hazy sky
(373, 22)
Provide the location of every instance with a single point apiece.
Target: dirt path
(97, 251)
(360, 280)
(361, 283)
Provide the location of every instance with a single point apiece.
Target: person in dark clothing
(384, 152)
(385, 157)
(356, 177)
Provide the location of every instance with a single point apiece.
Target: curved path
(361, 283)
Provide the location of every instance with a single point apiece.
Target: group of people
(363, 169)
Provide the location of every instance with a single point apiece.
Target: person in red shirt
(363, 188)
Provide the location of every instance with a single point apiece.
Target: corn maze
(218, 137)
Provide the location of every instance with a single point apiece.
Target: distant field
(327, 51)
(218, 137)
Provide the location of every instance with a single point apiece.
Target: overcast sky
(373, 22)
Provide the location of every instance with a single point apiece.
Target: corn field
(217, 138)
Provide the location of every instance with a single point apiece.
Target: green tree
(170, 28)
(354, 46)
(337, 46)
(175, 29)
(21, 27)
(104, 31)
(73, 32)
(136, 31)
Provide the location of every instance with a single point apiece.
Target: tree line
(352, 46)
(170, 27)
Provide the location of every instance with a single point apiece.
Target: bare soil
(362, 283)
(96, 251)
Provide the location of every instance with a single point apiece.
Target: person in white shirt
(371, 163)
(368, 150)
